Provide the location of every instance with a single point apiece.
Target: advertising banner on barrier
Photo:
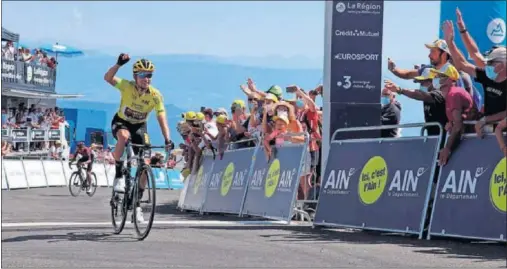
(4, 179)
(228, 181)
(175, 179)
(383, 186)
(15, 174)
(54, 173)
(470, 201)
(110, 173)
(54, 135)
(19, 135)
(100, 172)
(197, 185)
(160, 178)
(35, 173)
(38, 135)
(273, 185)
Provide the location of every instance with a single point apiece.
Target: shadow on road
(73, 236)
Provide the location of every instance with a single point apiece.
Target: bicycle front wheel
(119, 210)
(146, 202)
(75, 184)
(93, 185)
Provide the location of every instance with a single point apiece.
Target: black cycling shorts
(138, 132)
(85, 159)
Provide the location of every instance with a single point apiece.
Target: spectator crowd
(26, 55)
(264, 118)
(446, 88)
(22, 118)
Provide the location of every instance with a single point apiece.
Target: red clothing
(84, 152)
(457, 98)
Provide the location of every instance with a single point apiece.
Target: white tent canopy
(38, 95)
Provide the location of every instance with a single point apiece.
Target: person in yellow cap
(458, 104)
(433, 100)
(488, 70)
(223, 125)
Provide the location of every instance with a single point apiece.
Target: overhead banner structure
(470, 201)
(386, 187)
(353, 44)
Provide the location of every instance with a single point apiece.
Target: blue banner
(175, 179)
(273, 184)
(356, 34)
(228, 182)
(379, 186)
(484, 20)
(356, 46)
(159, 174)
(470, 200)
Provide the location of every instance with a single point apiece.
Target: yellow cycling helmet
(143, 65)
(199, 116)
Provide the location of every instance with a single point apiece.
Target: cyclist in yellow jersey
(138, 99)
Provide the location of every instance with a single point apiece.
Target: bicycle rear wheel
(148, 199)
(119, 210)
(93, 185)
(75, 184)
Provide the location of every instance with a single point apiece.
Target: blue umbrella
(63, 50)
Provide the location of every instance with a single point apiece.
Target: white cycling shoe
(119, 185)
(139, 214)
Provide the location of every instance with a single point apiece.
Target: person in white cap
(492, 77)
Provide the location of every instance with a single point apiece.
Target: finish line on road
(208, 223)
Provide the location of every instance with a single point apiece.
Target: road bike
(122, 203)
(78, 182)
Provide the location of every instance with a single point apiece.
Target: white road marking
(209, 223)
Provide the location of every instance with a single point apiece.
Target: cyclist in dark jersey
(87, 157)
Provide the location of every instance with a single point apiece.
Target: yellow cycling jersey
(134, 107)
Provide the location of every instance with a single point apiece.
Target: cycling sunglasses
(145, 75)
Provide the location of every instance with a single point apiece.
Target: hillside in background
(188, 82)
(191, 81)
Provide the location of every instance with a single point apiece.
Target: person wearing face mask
(5, 118)
(390, 114)
(239, 125)
(433, 100)
(492, 77)
(458, 104)
(267, 113)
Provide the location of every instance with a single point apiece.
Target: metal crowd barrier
(245, 182)
(29, 135)
(35, 173)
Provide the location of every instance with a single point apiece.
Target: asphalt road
(186, 240)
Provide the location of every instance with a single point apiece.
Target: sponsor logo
(347, 82)
(405, 182)
(372, 180)
(498, 186)
(29, 74)
(358, 7)
(357, 56)
(496, 30)
(135, 115)
(338, 181)
(462, 184)
(358, 33)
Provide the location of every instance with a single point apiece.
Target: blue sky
(255, 28)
